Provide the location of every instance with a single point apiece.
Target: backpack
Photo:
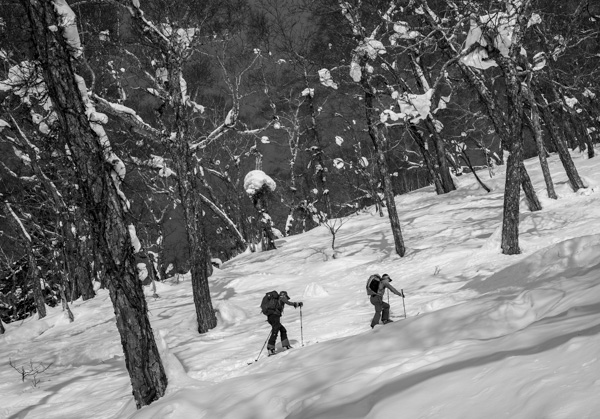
(269, 302)
(373, 284)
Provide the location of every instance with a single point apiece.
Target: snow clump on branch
(325, 78)
(369, 48)
(413, 107)
(25, 80)
(67, 22)
(255, 180)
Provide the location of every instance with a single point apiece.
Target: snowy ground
(486, 335)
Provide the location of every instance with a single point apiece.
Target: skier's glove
(295, 305)
(402, 294)
(300, 304)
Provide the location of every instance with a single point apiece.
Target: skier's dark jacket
(278, 309)
(383, 284)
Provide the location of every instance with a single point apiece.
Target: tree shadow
(115, 365)
(360, 408)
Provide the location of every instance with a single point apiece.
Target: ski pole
(402, 291)
(263, 347)
(301, 331)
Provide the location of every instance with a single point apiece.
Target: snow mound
(568, 258)
(315, 290)
(229, 313)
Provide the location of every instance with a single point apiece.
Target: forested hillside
(146, 139)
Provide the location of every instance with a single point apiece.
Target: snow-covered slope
(485, 335)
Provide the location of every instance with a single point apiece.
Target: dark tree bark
(467, 160)
(533, 203)
(32, 268)
(561, 148)
(539, 141)
(82, 273)
(104, 204)
(427, 159)
(34, 279)
(442, 162)
(65, 304)
(582, 133)
(443, 180)
(510, 217)
(184, 162)
(380, 142)
(2, 329)
(186, 167)
(322, 176)
(514, 145)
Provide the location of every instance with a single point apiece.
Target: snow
(485, 335)
(325, 79)
(67, 20)
(500, 22)
(308, 92)
(416, 107)
(24, 80)
(338, 163)
(355, 71)
(3, 124)
(402, 31)
(255, 180)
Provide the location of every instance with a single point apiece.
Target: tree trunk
(65, 304)
(580, 127)
(562, 150)
(317, 138)
(510, 217)
(2, 329)
(104, 204)
(539, 141)
(82, 274)
(379, 142)
(184, 163)
(433, 173)
(467, 160)
(441, 165)
(533, 203)
(487, 100)
(241, 242)
(32, 273)
(32, 270)
(514, 169)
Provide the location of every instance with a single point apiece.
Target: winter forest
(143, 140)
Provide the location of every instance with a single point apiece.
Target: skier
(382, 309)
(274, 318)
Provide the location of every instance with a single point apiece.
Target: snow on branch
(67, 21)
(127, 115)
(3, 124)
(325, 79)
(18, 221)
(255, 180)
(25, 80)
(502, 26)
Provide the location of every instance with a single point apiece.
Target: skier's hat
(386, 276)
(284, 293)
